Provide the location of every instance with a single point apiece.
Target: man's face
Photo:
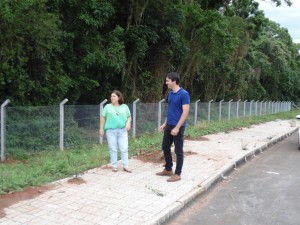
(170, 83)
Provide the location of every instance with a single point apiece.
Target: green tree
(223, 49)
(94, 51)
(30, 41)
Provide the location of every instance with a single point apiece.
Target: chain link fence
(39, 128)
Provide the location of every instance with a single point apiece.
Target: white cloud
(287, 17)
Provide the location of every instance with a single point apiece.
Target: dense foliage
(81, 50)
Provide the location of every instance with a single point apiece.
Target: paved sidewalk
(142, 197)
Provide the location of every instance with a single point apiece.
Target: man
(174, 126)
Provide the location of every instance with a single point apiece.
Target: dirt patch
(12, 198)
(237, 129)
(157, 156)
(106, 167)
(12, 160)
(76, 180)
(6, 200)
(190, 138)
(9, 199)
(203, 139)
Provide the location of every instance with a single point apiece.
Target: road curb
(204, 186)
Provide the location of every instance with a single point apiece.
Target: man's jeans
(168, 139)
(117, 138)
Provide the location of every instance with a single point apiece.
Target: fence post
(134, 117)
(285, 106)
(261, 103)
(272, 107)
(159, 113)
(61, 124)
(196, 112)
(3, 121)
(100, 111)
(251, 107)
(237, 108)
(208, 116)
(279, 106)
(229, 108)
(265, 107)
(220, 109)
(256, 108)
(245, 108)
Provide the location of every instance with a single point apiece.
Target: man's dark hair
(174, 76)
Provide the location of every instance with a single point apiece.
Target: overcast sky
(287, 17)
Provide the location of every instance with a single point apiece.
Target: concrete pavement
(141, 197)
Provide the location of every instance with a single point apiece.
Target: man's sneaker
(165, 173)
(174, 178)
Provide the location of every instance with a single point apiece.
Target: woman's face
(114, 98)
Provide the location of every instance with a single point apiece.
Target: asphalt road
(263, 191)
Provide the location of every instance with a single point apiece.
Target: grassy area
(23, 169)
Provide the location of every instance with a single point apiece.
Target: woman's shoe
(115, 170)
(127, 170)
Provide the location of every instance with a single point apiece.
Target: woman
(115, 123)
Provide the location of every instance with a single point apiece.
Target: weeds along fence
(39, 128)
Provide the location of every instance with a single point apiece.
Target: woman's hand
(101, 131)
(128, 127)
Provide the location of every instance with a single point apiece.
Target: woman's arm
(102, 122)
(128, 123)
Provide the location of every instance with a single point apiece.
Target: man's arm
(163, 126)
(184, 115)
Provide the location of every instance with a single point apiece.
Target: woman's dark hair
(119, 94)
(174, 76)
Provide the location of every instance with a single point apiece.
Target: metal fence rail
(38, 128)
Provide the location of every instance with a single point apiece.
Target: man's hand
(175, 131)
(162, 127)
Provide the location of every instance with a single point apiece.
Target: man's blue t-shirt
(175, 103)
